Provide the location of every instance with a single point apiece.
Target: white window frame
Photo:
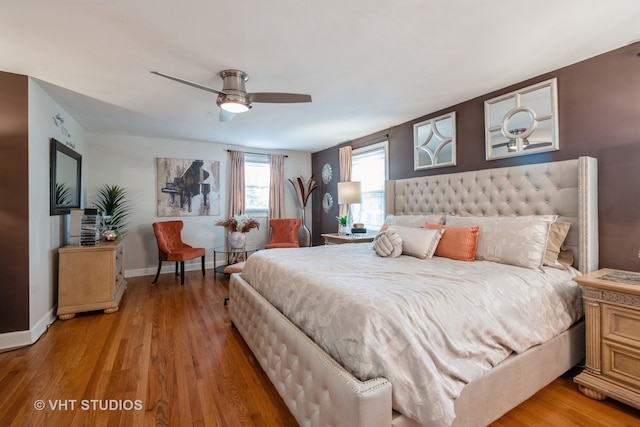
(249, 159)
(384, 145)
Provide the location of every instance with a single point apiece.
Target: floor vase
(304, 234)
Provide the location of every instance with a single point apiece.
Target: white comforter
(428, 326)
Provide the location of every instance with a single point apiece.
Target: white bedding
(428, 326)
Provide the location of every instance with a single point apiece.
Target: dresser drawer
(621, 363)
(621, 325)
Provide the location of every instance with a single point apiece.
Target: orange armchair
(172, 248)
(284, 233)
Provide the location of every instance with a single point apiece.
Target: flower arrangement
(303, 190)
(242, 223)
(342, 220)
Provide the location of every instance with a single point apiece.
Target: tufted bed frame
(319, 392)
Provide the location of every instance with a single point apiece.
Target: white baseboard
(167, 267)
(17, 339)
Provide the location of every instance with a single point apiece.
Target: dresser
(612, 320)
(90, 278)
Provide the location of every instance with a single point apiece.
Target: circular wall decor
(327, 202)
(327, 173)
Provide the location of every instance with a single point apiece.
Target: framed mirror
(65, 168)
(434, 142)
(522, 122)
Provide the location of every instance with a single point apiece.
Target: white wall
(131, 163)
(46, 233)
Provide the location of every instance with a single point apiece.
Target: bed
(319, 391)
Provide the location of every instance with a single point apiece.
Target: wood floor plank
(171, 348)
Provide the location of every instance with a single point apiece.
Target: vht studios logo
(88, 405)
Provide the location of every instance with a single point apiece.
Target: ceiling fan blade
(277, 98)
(186, 82)
(226, 116)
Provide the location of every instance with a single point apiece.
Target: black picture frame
(65, 178)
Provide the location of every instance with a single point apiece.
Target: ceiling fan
(233, 98)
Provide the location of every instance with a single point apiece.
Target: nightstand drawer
(621, 325)
(621, 363)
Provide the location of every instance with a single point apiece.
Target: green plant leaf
(112, 200)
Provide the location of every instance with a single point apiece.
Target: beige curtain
(276, 188)
(236, 187)
(345, 172)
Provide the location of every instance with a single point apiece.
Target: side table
(339, 239)
(230, 256)
(612, 321)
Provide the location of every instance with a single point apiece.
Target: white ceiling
(368, 64)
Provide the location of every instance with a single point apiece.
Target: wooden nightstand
(337, 239)
(612, 320)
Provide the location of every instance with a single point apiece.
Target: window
(370, 167)
(256, 183)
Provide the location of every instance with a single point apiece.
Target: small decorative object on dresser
(612, 316)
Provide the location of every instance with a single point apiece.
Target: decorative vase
(342, 230)
(237, 240)
(304, 234)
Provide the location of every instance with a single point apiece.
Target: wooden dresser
(90, 278)
(612, 316)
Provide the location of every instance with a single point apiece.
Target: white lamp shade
(349, 192)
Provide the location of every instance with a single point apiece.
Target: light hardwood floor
(171, 351)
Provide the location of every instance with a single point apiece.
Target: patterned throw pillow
(515, 240)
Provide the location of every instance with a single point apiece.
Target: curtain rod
(257, 154)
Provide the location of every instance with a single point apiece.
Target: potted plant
(237, 226)
(342, 224)
(112, 202)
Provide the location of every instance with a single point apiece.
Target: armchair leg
(181, 272)
(202, 265)
(176, 268)
(157, 272)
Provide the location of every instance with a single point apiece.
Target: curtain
(345, 173)
(236, 187)
(276, 188)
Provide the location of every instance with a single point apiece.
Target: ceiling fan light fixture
(233, 103)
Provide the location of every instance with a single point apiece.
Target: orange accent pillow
(457, 243)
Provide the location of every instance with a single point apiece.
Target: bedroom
(611, 79)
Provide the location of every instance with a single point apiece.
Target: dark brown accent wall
(14, 203)
(599, 116)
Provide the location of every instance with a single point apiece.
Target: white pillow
(514, 240)
(418, 242)
(388, 243)
(414, 220)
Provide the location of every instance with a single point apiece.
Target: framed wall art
(434, 142)
(522, 122)
(187, 187)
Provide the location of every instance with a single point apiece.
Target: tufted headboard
(567, 188)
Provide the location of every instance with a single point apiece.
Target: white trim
(17, 339)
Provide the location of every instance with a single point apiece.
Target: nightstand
(612, 321)
(339, 239)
